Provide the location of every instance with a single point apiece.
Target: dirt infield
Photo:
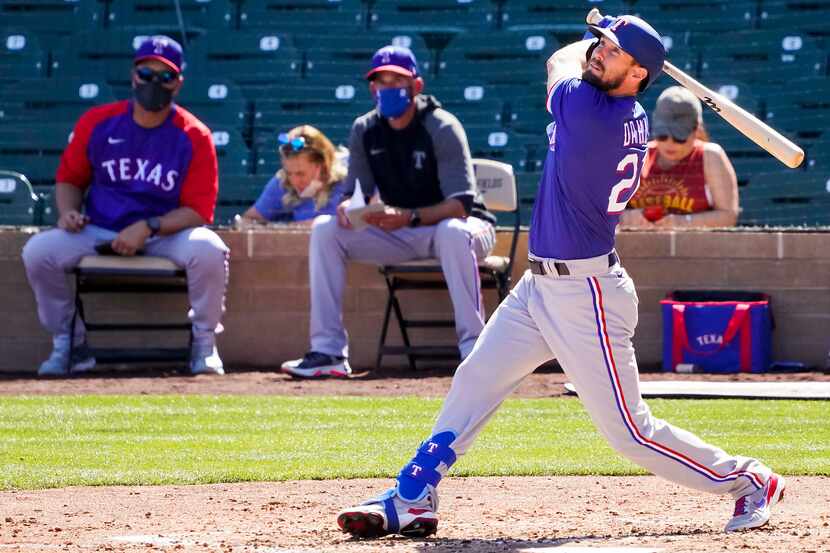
(478, 514)
(545, 382)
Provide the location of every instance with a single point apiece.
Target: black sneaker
(316, 365)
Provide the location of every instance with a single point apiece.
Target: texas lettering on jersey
(126, 169)
(132, 173)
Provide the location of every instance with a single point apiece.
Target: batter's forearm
(567, 62)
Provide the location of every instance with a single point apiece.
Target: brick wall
(267, 317)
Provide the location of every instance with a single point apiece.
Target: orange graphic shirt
(680, 189)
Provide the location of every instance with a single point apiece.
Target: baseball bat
(781, 148)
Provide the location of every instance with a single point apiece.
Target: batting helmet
(637, 38)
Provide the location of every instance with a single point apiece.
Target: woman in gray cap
(686, 181)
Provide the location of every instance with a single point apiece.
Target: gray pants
(456, 243)
(586, 321)
(50, 255)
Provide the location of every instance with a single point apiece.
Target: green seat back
(21, 56)
(762, 56)
(350, 56)
(714, 16)
(56, 99)
(55, 17)
(17, 200)
(318, 16)
(565, 17)
(196, 14)
(433, 15)
(216, 102)
(251, 59)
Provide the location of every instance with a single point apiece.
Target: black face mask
(152, 96)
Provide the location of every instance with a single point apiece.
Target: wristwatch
(155, 225)
(414, 218)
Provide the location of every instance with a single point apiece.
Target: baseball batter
(576, 303)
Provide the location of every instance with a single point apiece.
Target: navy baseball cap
(161, 48)
(638, 39)
(397, 59)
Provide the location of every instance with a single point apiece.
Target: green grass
(49, 441)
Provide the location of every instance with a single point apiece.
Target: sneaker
(315, 365)
(753, 510)
(205, 359)
(58, 363)
(389, 514)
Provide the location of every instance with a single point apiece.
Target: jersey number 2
(615, 202)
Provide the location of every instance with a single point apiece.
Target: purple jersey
(133, 173)
(597, 149)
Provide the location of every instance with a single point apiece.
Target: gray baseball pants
(585, 320)
(50, 255)
(457, 243)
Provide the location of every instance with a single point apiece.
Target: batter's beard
(605, 86)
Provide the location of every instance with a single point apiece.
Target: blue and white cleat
(389, 514)
(753, 510)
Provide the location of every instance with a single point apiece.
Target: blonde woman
(307, 185)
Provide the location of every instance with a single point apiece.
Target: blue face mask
(392, 102)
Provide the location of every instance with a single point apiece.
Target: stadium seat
(800, 107)
(786, 197)
(252, 59)
(480, 116)
(343, 99)
(216, 102)
(54, 99)
(18, 202)
(236, 194)
(809, 17)
(500, 57)
(233, 154)
(34, 150)
(318, 16)
(21, 56)
(528, 187)
(99, 55)
(564, 17)
(50, 18)
(46, 213)
(697, 16)
(196, 14)
(433, 16)
(762, 56)
(350, 56)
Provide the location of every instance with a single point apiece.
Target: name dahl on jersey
(124, 169)
(635, 132)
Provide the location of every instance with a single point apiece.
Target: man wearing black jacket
(415, 156)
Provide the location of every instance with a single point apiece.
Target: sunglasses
(664, 137)
(165, 76)
(290, 146)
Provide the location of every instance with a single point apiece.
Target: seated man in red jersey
(139, 175)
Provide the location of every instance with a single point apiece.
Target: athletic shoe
(204, 359)
(753, 510)
(58, 363)
(315, 365)
(389, 514)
